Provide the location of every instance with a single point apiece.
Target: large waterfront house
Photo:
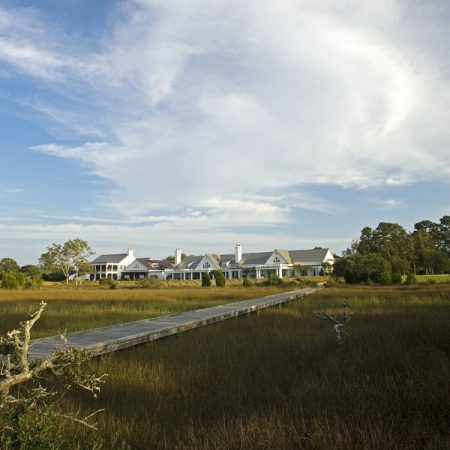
(234, 265)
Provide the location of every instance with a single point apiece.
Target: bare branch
(339, 324)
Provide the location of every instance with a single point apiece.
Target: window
(206, 265)
(276, 259)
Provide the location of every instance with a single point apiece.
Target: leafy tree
(72, 255)
(206, 279)
(171, 258)
(444, 234)
(8, 265)
(9, 281)
(425, 250)
(31, 271)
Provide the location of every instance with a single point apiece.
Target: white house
(234, 265)
(142, 268)
(255, 265)
(111, 266)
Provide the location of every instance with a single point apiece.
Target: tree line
(382, 255)
(56, 264)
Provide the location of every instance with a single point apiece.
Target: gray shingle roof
(189, 261)
(255, 258)
(153, 264)
(305, 256)
(110, 258)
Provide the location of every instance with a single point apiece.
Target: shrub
(20, 277)
(273, 280)
(248, 282)
(151, 283)
(206, 279)
(220, 278)
(386, 274)
(9, 281)
(411, 279)
(396, 278)
(32, 416)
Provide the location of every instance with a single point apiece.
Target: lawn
(73, 309)
(433, 278)
(277, 380)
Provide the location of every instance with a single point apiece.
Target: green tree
(72, 255)
(9, 281)
(31, 271)
(206, 279)
(8, 265)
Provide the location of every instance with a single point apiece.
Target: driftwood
(339, 324)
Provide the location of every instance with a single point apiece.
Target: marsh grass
(277, 380)
(81, 309)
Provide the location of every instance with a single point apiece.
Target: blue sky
(152, 124)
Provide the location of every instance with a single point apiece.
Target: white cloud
(220, 106)
(392, 203)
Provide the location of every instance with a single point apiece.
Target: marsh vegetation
(277, 379)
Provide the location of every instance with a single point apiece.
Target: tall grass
(82, 309)
(277, 380)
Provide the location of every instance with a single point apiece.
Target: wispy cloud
(217, 107)
(392, 203)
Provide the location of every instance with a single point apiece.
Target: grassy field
(80, 309)
(278, 381)
(432, 278)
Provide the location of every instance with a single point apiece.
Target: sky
(156, 124)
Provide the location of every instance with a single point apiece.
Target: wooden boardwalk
(117, 337)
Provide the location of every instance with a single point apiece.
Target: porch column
(280, 272)
(258, 273)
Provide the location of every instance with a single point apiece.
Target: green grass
(82, 309)
(277, 380)
(433, 278)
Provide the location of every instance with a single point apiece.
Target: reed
(81, 309)
(280, 380)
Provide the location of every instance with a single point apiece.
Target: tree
(206, 279)
(9, 281)
(31, 271)
(8, 265)
(72, 255)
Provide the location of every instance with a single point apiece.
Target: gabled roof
(285, 254)
(116, 258)
(214, 258)
(189, 262)
(224, 259)
(305, 256)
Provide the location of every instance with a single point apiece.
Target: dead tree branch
(339, 324)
